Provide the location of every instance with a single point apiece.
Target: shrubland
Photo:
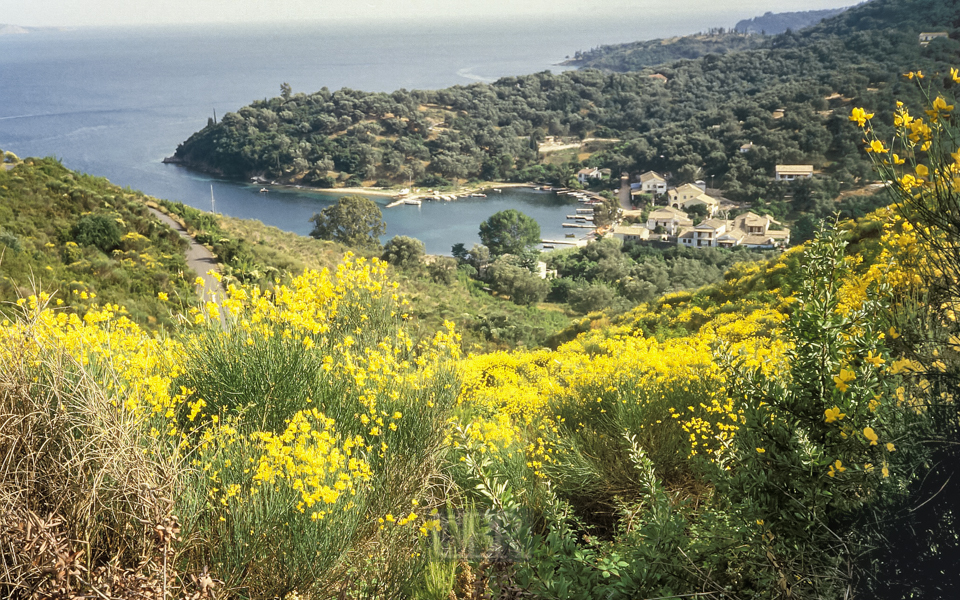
(773, 435)
(92, 241)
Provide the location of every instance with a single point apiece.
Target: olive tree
(354, 221)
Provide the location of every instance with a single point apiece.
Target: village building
(652, 182)
(670, 219)
(749, 230)
(746, 148)
(585, 175)
(687, 191)
(711, 204)
(927, 36)
(791, 172)
(631, 233)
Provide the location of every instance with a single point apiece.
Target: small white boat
(478, 195)
(412, 202)
(264, 190)
(497, 190)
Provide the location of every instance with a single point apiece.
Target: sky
(71, 13)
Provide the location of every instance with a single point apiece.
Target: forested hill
(773, 23)
(635, 56)
(747, 35)
(790, 100)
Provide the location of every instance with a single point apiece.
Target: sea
(113, 102)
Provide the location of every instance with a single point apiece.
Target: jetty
(564, 242)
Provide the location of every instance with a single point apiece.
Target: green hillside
(87, 243)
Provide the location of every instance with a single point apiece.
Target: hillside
(313, 446)
(773, 23)
(636, 56)
(790, 431)
(87, 244)
(689, 118)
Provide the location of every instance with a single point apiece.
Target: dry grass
(85, 507)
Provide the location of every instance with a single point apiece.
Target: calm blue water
(115, 102)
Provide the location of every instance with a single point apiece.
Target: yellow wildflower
(860, 116)
(833, 414)
(871, 435)
(844, 378)
(835, 468)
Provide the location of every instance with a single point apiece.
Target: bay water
(114, 102)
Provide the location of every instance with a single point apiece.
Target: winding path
(198, 257)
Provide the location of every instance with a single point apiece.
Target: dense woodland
(790, 98)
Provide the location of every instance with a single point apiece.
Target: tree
(509, 232)
(443, 270)
(404, 252)
(459, 252)
(606, 212)
(100, 231)
(521, 285)
(354, 221)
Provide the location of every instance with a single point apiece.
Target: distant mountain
(13, 30)
(773, 23)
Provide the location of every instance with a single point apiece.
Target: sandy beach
(423, 194)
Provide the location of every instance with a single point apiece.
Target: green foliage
(88, 242)
(509, 232)
(404, 252)
(99, 231)
(591, 297)
(773, 23)
(443, 270)
(11, 241)
(355, 221)
(642, 273)
(522, 286)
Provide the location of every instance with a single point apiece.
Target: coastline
(485, 186)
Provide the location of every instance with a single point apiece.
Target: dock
(580, 225)
(566, 242)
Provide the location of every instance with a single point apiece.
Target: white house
(585, 175)
(669, 218)
(687, 191)
(749, 230)
(791, 172)
(652, 182)
(631, 233)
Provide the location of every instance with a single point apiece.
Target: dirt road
(198, 258)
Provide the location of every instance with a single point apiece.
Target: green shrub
(99, 231)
